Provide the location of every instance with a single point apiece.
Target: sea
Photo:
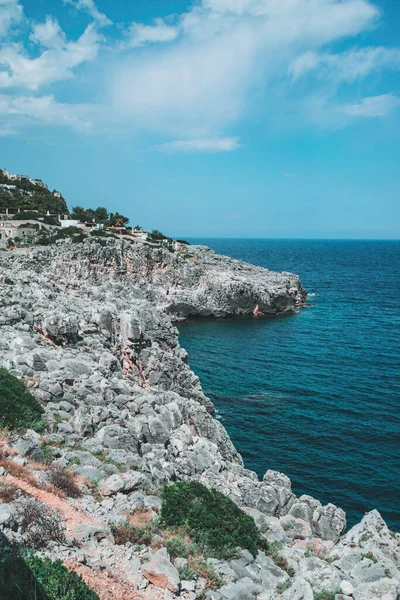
(315, 395)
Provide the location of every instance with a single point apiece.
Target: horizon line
(315, 239)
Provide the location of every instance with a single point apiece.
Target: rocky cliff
(89, 328)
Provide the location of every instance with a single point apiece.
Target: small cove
(315, 395)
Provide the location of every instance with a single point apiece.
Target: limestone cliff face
(89, 327)
(194, 281)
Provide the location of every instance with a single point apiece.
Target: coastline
(105, 324)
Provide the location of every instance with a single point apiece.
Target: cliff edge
(89, 328)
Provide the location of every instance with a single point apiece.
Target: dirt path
(107, 587)
(72, 516)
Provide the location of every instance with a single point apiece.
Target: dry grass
(39, 523)
(8, 491)
(22, 472)
(63, 480)
(141, 534)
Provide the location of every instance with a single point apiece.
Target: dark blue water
(317, 394)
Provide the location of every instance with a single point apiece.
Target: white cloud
(54, 64)
(89, 7)
(6, 132)
(346, 66)
(193, 76)
(228, 144)
(160, 32)
(373, 106)
(11, 13)
(48, 34)
(45, 109)
(226, 55)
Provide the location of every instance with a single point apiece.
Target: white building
(70, 223)
(39, 183)
(10, 230)
(16, 177)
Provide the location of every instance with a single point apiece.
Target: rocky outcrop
(193, 281)
(89, 328)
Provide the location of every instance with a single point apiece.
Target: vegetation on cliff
(213, 520)
(29, 577)
(18, 407)
(99, 215)
(29, 196)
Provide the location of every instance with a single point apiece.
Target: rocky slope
(89, 328)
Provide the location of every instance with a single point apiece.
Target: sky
(210, 118)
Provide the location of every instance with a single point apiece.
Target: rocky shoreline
(89, 328)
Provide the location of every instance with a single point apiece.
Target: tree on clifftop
(117, 220)
(99, 214)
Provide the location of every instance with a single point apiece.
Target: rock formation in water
(89, 328)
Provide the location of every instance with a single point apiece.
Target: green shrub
(78, 239)
(29, 226)
(177, 546)
(51, 220)
(57, 582)
(19, 409)
(33, 578)
(213, 521)
(26, 214)
(98, 233)
(370, 556)
(325, 595)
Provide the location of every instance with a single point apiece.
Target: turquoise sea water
(317, 394)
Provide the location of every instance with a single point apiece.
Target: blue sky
(231, 118)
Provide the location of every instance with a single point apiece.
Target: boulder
(6, 514)
(299, 590)
(329, 522)
(60, 327)
(92, 533)
(117, 437)
(321, 575)
(27, 444)
(347, 588)
(160, 571)
(112, 485)
(384, 589)
(243, 589)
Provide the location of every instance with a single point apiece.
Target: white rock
(346, 587)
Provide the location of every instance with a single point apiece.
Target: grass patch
(179, 545)
(370, 556)
(19, 409)
(324, 595)
(126, 532)
(282, 587)
(272, 550)
(214, 522)
(198, 567)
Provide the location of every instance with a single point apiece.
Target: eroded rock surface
(90, 330)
